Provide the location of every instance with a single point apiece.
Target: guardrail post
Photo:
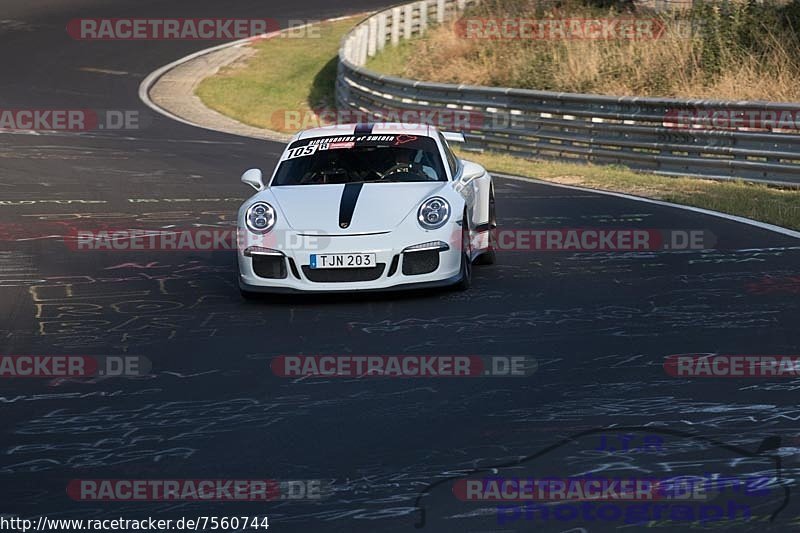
(372, 46)
(423, 16)
(396, 26)
(440, 11)
(356, 46)
(363, 45)
(408, 21)
(348, 49)
(381, 31)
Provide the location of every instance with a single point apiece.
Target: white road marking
(734, 218)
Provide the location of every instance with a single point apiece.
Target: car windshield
(361, 159)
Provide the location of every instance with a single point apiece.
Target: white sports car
(366, 207)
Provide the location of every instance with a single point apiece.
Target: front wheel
(249, 296)
(466, 264)
(489, 257)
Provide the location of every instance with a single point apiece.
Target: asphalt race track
(599, 325)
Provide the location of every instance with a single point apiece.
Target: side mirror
(253, 177)
(471, 171)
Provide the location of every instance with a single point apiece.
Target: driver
(407, 161)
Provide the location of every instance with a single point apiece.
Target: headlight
(260, 218)
(433, 213)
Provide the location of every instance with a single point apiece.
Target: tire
(466, 265)
(490, 257)
(249, 296)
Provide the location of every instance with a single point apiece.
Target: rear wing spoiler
(453, 137)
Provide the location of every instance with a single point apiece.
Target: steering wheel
(373, 172)
(405, 168)
(323, 176)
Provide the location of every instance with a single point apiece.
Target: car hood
(378, 206)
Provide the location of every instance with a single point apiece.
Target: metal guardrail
(638, 132)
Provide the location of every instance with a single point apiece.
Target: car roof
(377, 128)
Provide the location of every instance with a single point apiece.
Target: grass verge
(278, 87)
(291, 74)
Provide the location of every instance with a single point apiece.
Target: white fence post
(381, 31)
(408, 20)
(348, 49)
(396, 25)
(372, 46)
(363, 45)
(423, 16)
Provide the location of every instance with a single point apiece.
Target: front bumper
(288, 267)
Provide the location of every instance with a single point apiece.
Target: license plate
(343, 260)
